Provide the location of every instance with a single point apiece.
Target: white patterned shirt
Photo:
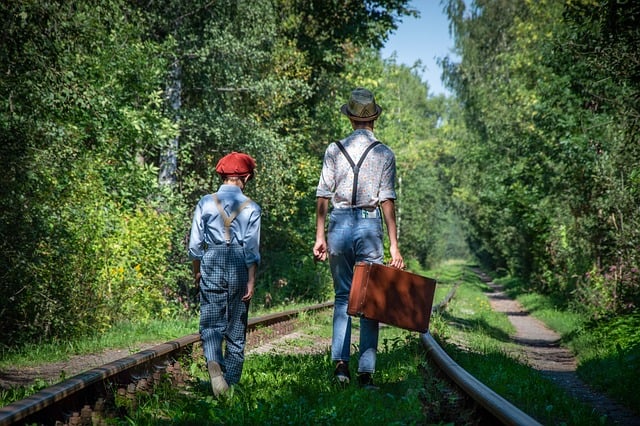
(377, 175)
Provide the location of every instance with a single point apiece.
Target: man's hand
(389, 212)
(320, 250)
(320, 247)
(396, 258)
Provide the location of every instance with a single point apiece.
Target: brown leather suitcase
(391, 296)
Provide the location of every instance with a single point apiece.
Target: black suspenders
(356, 167)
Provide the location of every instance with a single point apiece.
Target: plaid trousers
(223, 315)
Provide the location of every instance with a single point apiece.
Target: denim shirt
(207, 228)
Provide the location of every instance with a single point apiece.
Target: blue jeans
(353, 236)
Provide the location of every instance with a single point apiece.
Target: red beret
(236, 164)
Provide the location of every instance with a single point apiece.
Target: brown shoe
(218, 383)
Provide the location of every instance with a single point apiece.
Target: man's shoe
(218, 383)
(341, 373)
(365, 380)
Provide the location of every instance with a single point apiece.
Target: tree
(86, 125)
(546, 169)
(79, 104)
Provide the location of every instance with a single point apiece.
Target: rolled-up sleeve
(388, 180)
(196, 237)
(252, 237)
(327, 183)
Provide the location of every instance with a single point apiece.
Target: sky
(426, 39)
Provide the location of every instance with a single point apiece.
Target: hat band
(347, 111)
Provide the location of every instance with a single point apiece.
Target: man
(224, 247)
(358, 176)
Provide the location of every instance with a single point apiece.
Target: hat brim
(344, 109)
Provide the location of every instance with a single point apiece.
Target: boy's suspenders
(228, 219)
(356, 167)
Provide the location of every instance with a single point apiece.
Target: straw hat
(362, 106)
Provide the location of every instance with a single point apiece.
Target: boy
(224, 247)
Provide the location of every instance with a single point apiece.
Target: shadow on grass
(615, 374)
(479, 325)
(524, 387)
(290, 389)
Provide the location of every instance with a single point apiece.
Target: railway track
(81, 399)
(76, 400)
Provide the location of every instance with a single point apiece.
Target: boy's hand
(249, 294)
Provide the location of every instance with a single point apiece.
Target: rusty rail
(75, 394)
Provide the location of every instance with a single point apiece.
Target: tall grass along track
(82, 397)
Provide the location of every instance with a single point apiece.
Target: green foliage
(288, 281)
(81, 104)
(610, 358)
(8, 396)
(546, 168)
(411, 125)
(88, 235)
(131, 281)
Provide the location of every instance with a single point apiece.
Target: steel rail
(500, 408)
(144, 363)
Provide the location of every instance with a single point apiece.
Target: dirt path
(540, 346)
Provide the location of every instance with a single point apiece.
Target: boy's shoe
(365, 380)
(341, 373)
(218, 383)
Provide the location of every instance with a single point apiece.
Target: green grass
(125, 335)
(610, 357)
(298, 389)
(129, 336)
(478, 339)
